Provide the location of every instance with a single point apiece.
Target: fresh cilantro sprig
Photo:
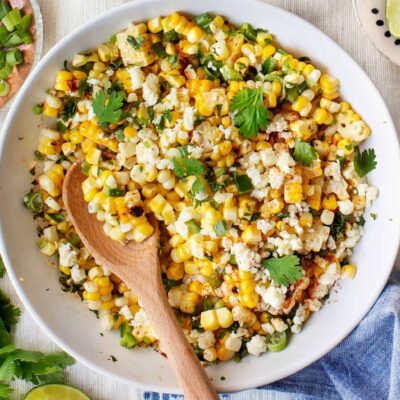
(304, 153)
(32, 366)
(250, 114)
(284, 270)
(107, 107)
(186, 166)
(364, 162)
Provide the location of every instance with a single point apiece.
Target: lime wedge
(55, 391)
(393, 17)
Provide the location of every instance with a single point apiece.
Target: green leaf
(268, 65)
(194, 167)
(364, 162)
(243, 183)
(304, 153)
(8, 312)
(229, 74)
(5, 391)
(159, 50)
(284, 270)
(198, 187)
(178, 168)
(250, 114)
(2, 268)
(108, 106)
(136, 43)
(220, 228)
(248, 31)
(204, 21)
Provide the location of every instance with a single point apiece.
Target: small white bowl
(68, 321)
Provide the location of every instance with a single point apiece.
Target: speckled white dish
(70, 324)
(372, 16)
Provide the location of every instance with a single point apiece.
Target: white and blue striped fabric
(365, 366)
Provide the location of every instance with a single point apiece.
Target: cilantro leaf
(364, 162)
(194, 167)
(198, 187)
(188, 166)
(284, 270)
(250, 114)
(136, 43)
(304, 153)
(108, 106)
(8, 312)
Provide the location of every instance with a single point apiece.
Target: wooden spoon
(137, 265)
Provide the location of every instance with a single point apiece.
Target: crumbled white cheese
(265, 226)
(346, 207)
(137, 77)
(246, 259)
(233, 342)
(275, 178)
(68, 256)
(272, 296)
(285, 162)
(330, 275)
(151, 89)
(278, 124)
(206, 340)
(257, 345)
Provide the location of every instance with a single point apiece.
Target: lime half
(393, 17)
(55, 391)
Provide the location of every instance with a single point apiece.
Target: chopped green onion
(26, 23)
(204, 21)
(229, 74)
(74, 239)
(268, 65)
(3, 34)
(34, 202)
(159, 50)
(171, 36)
(193, 226)
(5, 8)
(37, 109)
(248, 31)
(12, 19)
(85, 167)
(220, 228)
(232, 260)
(243, 184)
(6, 71)
(26, 38)
(120, 135)
(114, 192)
(14, 57)
(127, 339)
(12, 40)
(56, 217)
(277, 342)
(219, 304)
(214, 280)
(4, 88)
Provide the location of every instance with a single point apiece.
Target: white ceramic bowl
(68, 321)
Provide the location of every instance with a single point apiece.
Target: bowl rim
(296, 366)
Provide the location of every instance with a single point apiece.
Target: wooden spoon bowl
(137, 265)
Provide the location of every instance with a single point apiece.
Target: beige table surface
(335, 17)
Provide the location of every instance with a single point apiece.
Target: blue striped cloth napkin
(365, 366)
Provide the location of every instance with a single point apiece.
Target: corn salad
(246, 155)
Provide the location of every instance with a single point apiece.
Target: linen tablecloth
(335, 17)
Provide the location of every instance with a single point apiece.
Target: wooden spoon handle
(192, 377)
